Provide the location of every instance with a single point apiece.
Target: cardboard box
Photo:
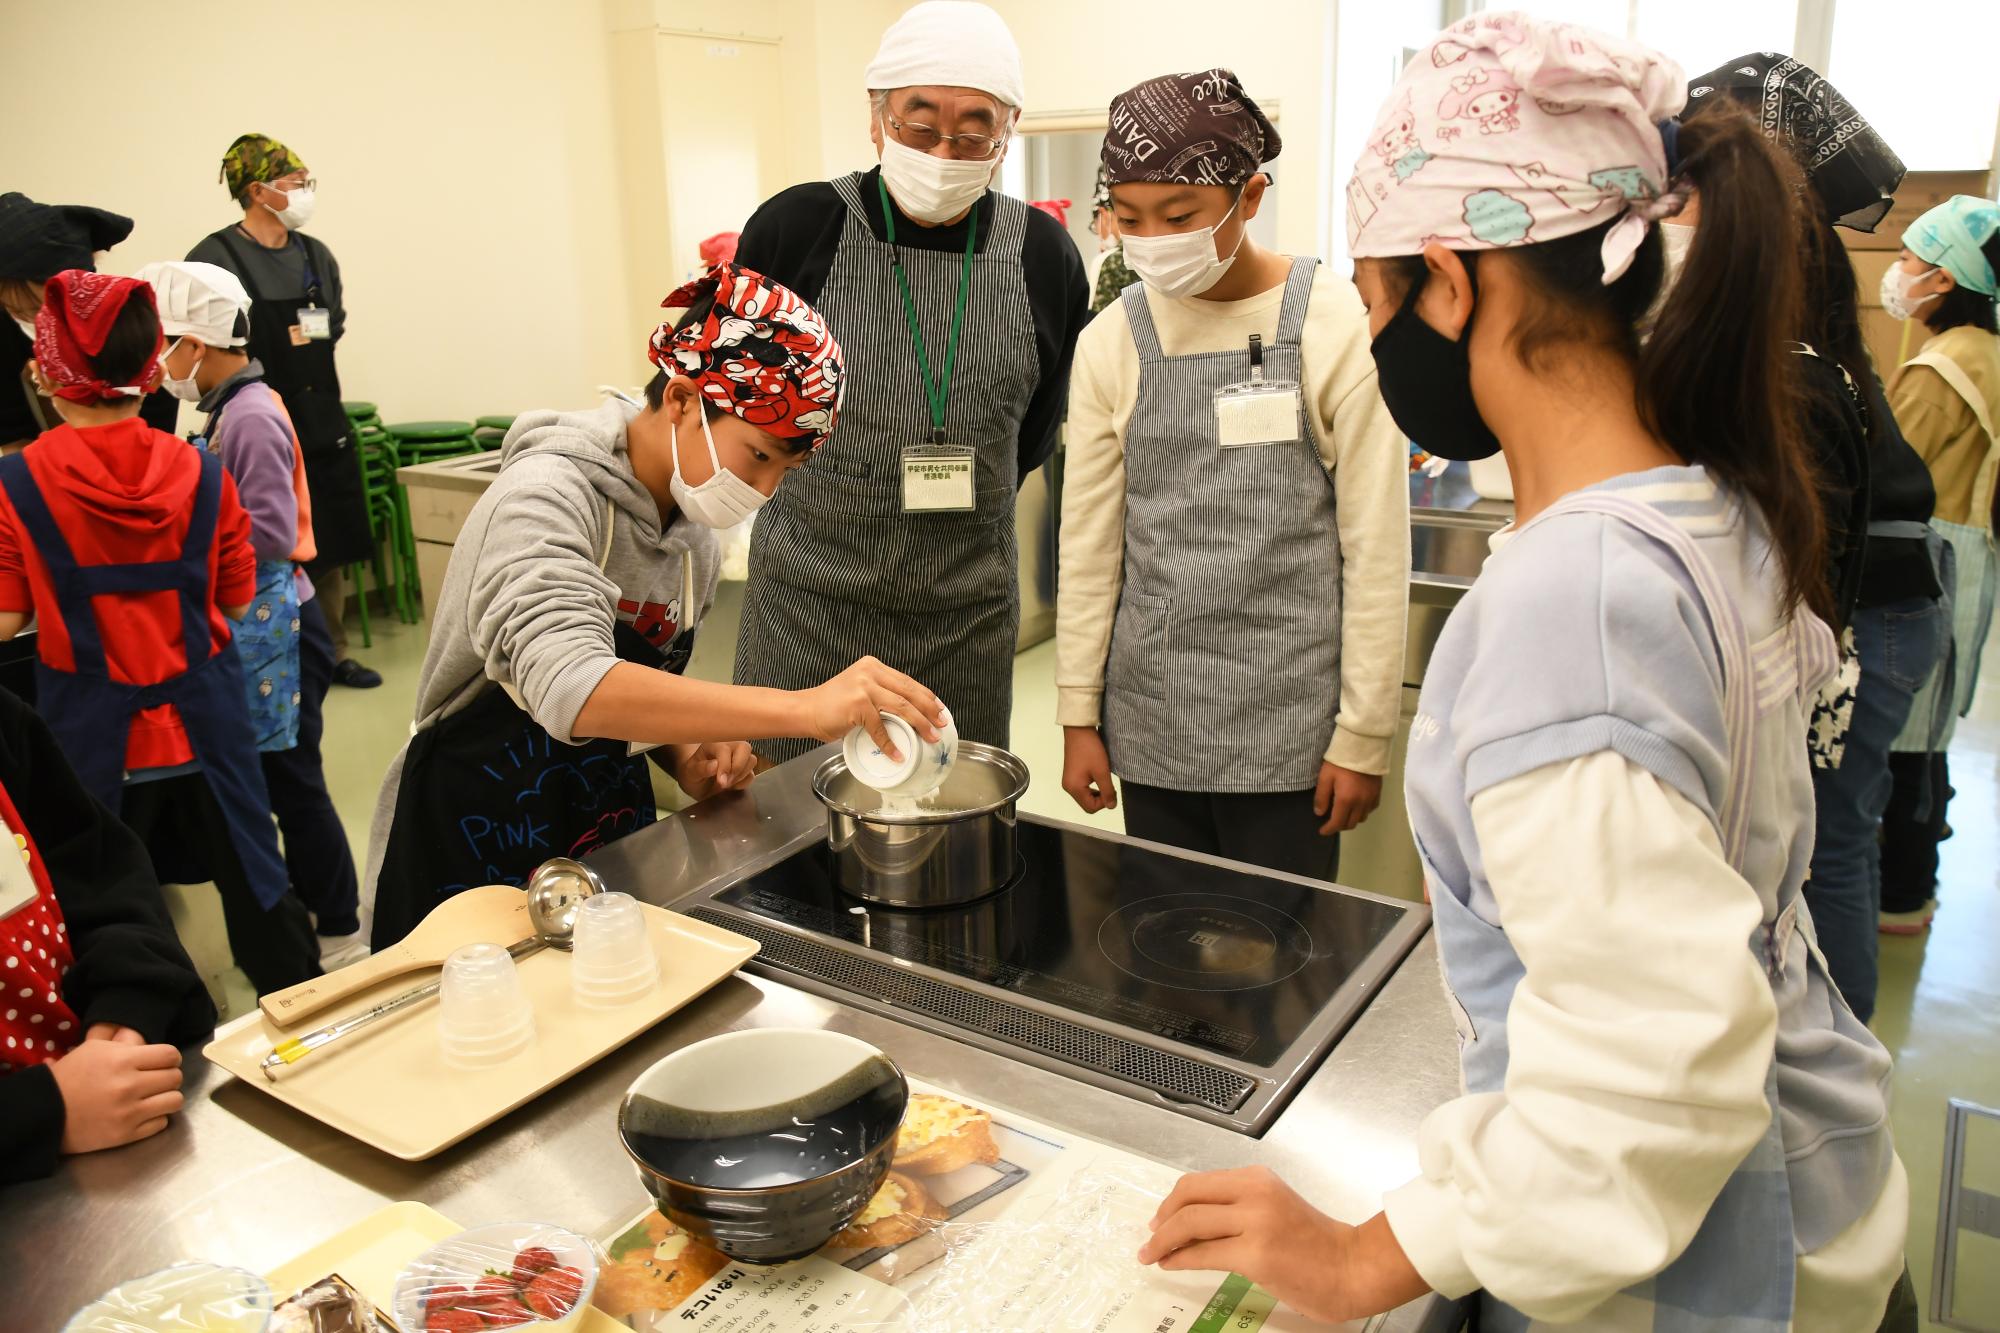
(1920, 192)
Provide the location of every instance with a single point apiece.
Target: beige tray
(373, 1253)
(389, 1087)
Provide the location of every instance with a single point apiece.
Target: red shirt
(124, 494)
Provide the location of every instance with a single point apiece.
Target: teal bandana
(1951, 235)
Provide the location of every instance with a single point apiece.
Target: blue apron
(267, 639)
(91, 714)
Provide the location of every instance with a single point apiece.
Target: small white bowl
(922, 769)
(472, 1255)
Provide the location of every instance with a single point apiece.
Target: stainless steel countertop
(1452, 495)
(241, 1179)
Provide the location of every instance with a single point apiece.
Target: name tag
(315, 322)
(1258, 412)
(937, 479)
(17, 885)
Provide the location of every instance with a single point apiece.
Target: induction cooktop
(1209, 987)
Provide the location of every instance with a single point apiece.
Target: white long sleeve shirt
(1626, 1108)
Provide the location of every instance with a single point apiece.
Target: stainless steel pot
(959, 851)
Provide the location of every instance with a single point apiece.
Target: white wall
(464, 149)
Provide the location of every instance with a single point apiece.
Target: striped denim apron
(837, 570)
(1736, 1274)
(1224, 673)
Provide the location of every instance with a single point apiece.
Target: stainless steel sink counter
(241, 1179)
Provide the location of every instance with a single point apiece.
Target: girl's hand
(1087, 770)
(1252, 1223)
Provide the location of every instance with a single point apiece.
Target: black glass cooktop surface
(1218, 958)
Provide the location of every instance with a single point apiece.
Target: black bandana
(1854, 173)
(38, 241)
(1188, 129)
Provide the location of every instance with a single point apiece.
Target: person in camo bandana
(1671, 1120)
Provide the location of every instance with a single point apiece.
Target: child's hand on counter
(116, 1092)
(1250, 1222)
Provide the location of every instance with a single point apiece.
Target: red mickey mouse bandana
(760, 352)
(78, 310)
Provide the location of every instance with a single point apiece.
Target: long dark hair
(1962, 305)
(1716, 380)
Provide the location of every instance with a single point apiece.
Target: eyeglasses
(287, 186)
(969, 147)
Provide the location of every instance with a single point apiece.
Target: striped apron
(837, 570)
(1224, 674)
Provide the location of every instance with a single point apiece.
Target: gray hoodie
(529, 600)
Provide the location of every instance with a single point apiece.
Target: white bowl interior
(742, 1071)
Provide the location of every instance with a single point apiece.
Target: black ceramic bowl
(765, 1143)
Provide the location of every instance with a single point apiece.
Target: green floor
(1939, 1008)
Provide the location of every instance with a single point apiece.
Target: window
(1923, 76)
(1701, 34)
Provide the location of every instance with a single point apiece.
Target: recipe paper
(1044, 1237)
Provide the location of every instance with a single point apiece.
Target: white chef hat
(956, 43)
(198, 300)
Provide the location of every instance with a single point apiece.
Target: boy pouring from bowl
(568, 611)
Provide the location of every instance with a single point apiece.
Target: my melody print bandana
(1510, 131)
(760, 352)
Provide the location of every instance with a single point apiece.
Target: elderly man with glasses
(296, 317)
(958, 308)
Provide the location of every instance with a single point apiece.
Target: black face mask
(1426, 380)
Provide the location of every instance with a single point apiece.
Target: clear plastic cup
(483, 1011)
(612, 960)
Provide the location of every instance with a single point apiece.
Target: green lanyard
(937, 390)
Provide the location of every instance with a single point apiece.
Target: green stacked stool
(491, 432)
(420, 442)
(371, 441)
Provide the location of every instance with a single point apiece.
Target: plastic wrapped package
(329, 1305)
(187, 1298)
(513, 1275)
(1070, 1262)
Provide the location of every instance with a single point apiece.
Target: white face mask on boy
(1182, 264)
(725, 499)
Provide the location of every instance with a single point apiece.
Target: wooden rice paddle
(495, 914)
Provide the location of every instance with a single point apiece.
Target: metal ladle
(556, 890)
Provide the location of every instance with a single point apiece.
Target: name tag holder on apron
(937, 479)
(315, 325)
(1257, 411)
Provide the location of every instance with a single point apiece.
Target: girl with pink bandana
(1672, 1121)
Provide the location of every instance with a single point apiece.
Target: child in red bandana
(95, 992)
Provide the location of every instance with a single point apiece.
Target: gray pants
(1277, 830)
(331, 590)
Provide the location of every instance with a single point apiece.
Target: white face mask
(933, 189)
(298, 209)
(186, 389)
(1181, 264)
(724, 500)
(26, 326)
(1896, 284)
